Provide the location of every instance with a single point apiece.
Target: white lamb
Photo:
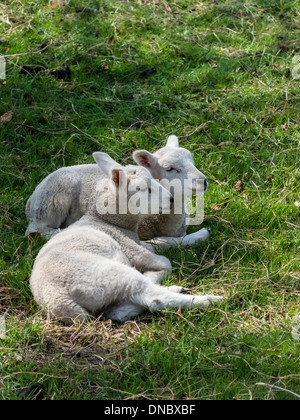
(67, 194)
(169, 164)
(98, 265)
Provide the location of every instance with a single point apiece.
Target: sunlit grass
(219, 76)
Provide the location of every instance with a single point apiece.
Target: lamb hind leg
(45, 231)
(124, 311)
(154, 267)
(49, 206)
(157, 298)
(66, 310)
(157, 277)
(165, 243)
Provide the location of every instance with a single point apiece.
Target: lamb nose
(205, 184)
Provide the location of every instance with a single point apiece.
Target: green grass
(217, 74)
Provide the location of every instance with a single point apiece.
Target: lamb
(172, 163)
(66, 195)
(99, 265)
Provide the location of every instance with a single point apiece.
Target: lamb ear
(116, 176)
(144, 158)
(105, 162)
(172, 141)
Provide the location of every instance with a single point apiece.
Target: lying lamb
(67, 194)
(98, 265)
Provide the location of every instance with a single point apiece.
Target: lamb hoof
(204, 302)
(178, 289)
(34, 235)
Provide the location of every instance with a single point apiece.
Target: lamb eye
(172, 169)
(149, 190)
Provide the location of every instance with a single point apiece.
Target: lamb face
(131, 189)
(173, 163)
(146, 195)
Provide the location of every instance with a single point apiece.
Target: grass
(217, 74)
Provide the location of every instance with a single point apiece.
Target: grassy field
(120, 75)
